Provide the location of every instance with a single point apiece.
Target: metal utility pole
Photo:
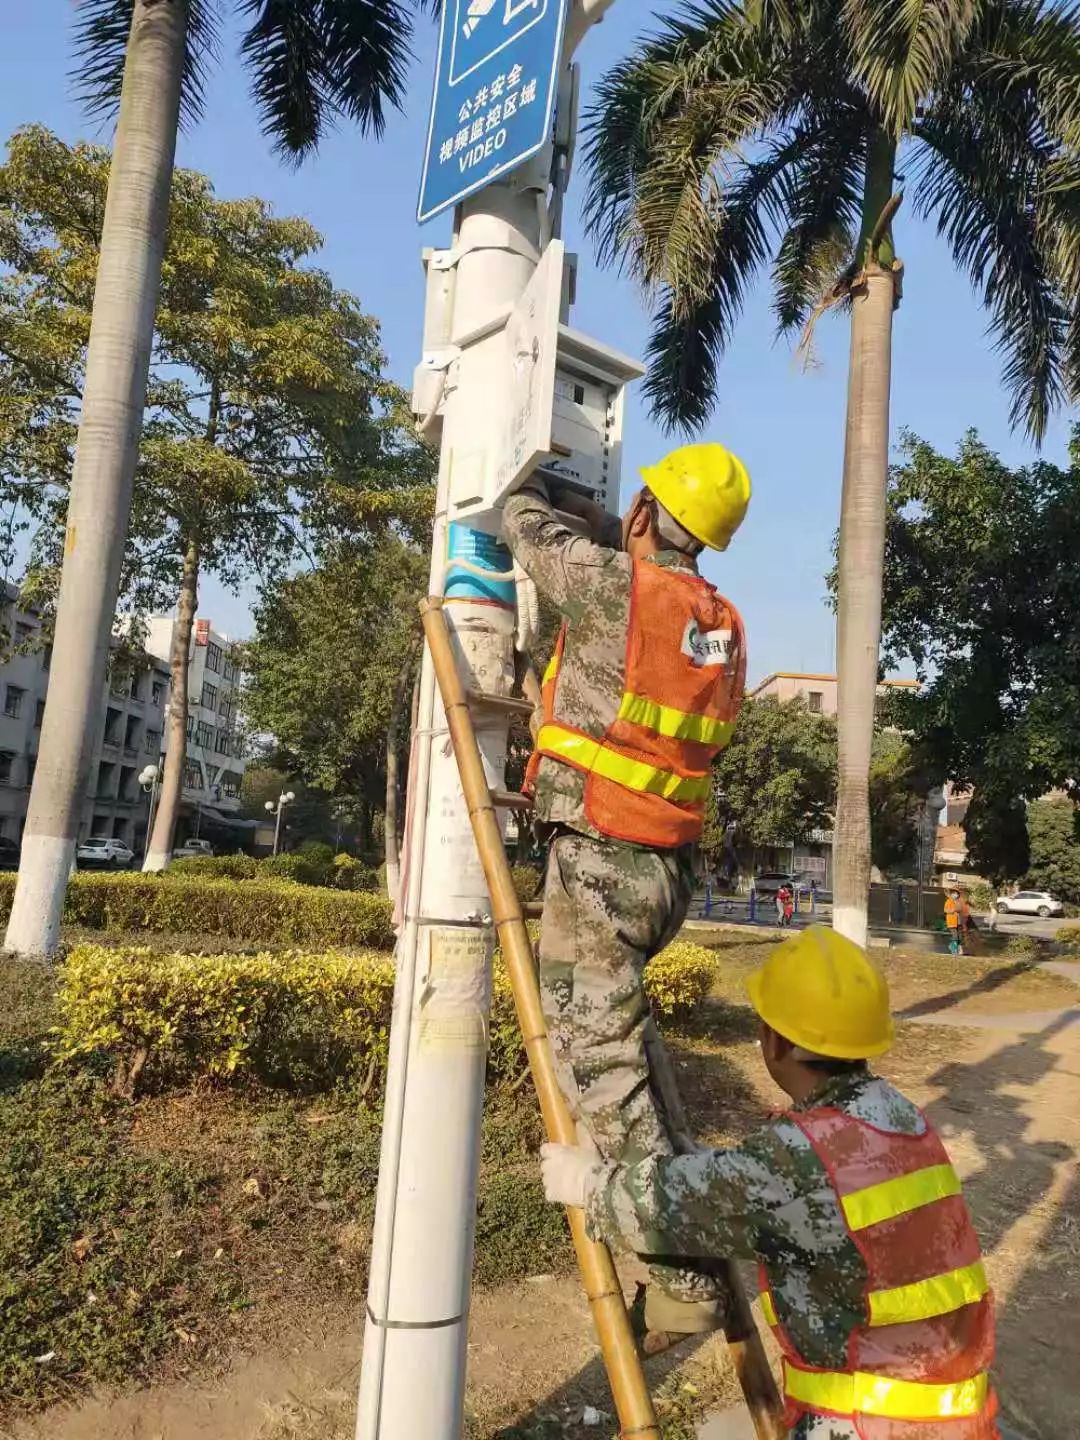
(413, 1374)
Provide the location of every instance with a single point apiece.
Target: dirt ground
(1006, 1098)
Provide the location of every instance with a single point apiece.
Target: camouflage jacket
(589, 582)
(770, 1200)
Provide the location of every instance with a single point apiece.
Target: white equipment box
(547, 398)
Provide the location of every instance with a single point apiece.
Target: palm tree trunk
(159, 850)
(99, 508)
(862, 552)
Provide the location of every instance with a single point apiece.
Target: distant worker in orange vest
(870, 1268)
(955, 921)
(642, 692)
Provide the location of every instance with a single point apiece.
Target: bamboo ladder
(633, 1404)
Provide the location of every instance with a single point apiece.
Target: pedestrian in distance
(789, 906)
(870, 1270)
(954, 922)
(642, 692)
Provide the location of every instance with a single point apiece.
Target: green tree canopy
(1054, 837)
(776, 781)
(332, 650)
(270, 428)
(982, 587)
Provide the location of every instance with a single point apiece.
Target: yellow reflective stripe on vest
(589, 754)
(924, 1299)
(677, 724)
(860, 1393)
(768, 1309)
(896, 1197)
(552, 667)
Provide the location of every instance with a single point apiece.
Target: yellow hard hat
(821, 992)
(705, 488)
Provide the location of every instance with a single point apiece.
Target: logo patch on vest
(706, 647)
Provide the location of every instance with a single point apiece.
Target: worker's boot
(665, 1320)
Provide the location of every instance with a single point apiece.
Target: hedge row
(310, 865)
(295, 1019)
(264, 912)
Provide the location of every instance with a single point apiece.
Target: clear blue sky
(787, 425)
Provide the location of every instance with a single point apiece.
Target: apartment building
(214, 764)
(127, 734)
(819, 691)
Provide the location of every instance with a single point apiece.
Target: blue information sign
(496, 80)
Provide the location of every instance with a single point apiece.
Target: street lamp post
(285, 798)
(927, 833)
(149, 780)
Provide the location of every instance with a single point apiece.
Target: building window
(204, 735)
(213, 657)
(193, 776)
(23, 632)
(131, 734)
(229, 668)
(7, 761)
(39, 714)
(112, 727)
(157, 692)
(13, 698)
(221, 744)
(152, 743)
(190, 725)
(136, 686)
(225, 708)
(209, 697)
(813, 701)
(31, 766)
(106, 777)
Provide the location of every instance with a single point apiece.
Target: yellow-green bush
(526, 881)
(288, 1018)
(295, 1019)
(680, 977)
(264, 912)
(1068, 936)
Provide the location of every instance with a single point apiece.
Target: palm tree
(312, 62)
(769, 133)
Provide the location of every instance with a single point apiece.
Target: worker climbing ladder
(633, 1403)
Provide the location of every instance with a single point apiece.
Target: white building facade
(214, 762)
(127, 731)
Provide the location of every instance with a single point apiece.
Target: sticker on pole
(496, 78)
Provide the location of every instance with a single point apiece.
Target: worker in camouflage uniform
(870, 1270)
(642, 691)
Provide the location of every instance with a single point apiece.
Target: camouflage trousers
(608, 908)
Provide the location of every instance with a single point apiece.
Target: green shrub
(216, 867)
(348, 873)
(295, 1019)
(680, 977)
(526, 881)
(301, 1020)
(981, 896)
(270, 912)
(1068, 936)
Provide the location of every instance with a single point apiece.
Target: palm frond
(666, 122)
(901, 50)
(102, 28)
(982, 188)
(283, 51)
(366, 46)
(1034, 46)
(689, 339)
(822, 199)
(315, 60)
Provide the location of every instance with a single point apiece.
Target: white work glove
(570, 1174)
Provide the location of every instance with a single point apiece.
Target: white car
(1030, 902)
(108, 853)
(193, 850)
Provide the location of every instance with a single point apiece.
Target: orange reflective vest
(685, 672)
(952, 912)
(918, 1362)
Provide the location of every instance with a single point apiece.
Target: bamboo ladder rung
(633, 1404)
